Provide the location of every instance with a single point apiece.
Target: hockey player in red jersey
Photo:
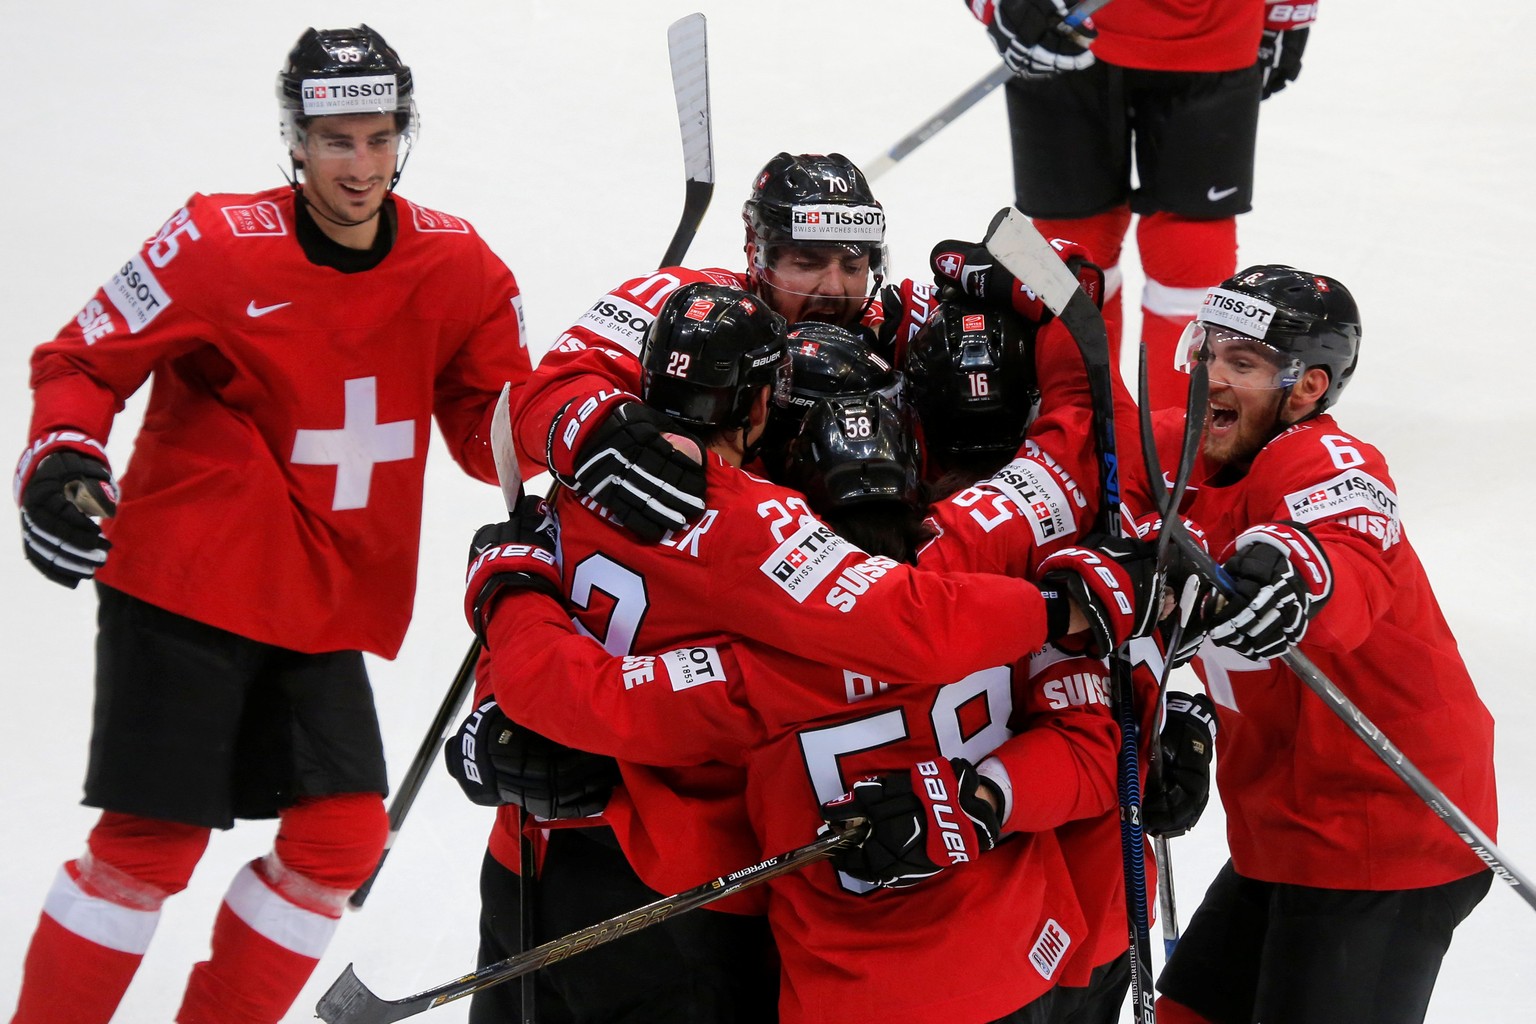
(1343, 888)
(265, 534)
(758, 566)
(1174, 87)
(808, 727)
(815, 245)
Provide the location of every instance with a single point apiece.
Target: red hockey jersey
(275, 488)
(1307, 802)
(805, 730)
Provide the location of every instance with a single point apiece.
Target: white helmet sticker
(1238, 311)
(834, 222)
(359, 95)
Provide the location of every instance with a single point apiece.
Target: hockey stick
(965, 101)
(1168, 507)
(463, 679)
(426, 754)
(349, 1001)
(1454, 817)
(689, 52)
(1023, 251)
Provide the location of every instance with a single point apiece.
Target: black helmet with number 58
(971, 377)
(336, 71)
(853, 449)
(1305, 319)
(708, 352)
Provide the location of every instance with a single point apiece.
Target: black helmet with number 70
(1300, 320)
(709, 350)
(807, 202)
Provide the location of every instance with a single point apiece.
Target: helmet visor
(1235, 359)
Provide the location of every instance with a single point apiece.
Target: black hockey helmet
(825, 361)
(706, 354)
(971, 379)
(812, 200)
(853, 449)
(1305, 319)
(333, 71)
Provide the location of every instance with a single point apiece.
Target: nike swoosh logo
(1216, 196)
(254, 310)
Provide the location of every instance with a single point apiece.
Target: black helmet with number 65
(1306, 320)
(336, 71)
(708, 352)
(971, 377)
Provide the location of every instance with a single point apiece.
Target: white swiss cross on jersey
(360, 444)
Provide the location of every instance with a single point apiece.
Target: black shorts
(1098, 1002)
(702, 967)
(1193, 135)
(198, 725)
(1278, 953)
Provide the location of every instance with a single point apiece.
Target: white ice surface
(1399, 163)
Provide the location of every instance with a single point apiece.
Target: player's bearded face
(348, 164)
(1240, 421)
(826, 283)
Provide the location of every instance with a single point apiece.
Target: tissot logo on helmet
(324, 96)
(1240, 312)
(838, 223)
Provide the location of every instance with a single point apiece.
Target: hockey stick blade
(688, 49)
(504, 451)
(349, 1001)
(1018, 245)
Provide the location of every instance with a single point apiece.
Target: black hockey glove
(968, 268)
(1114, 582)
(1281, 578)
(1176, 795)
(921, 821)
(63, 490)
(1033, 39)
(496, 761)
(614, 450)
(519, 553)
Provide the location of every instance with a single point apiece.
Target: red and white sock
(271, 931)
(94, 929)
(1182, 258)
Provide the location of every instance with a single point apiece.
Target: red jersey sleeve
(1339, 488)
(599, 352)
(1062, 761)
(674, 709)
(466, 388)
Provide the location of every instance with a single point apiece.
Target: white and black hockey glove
(614, 449)
(1032, 38)
(496, 761)
(60, 489)
(921, 821)
(1281, 579)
